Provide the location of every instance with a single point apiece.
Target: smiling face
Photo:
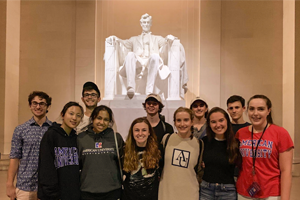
(90, 98)
(38, 107)
(235, 110)
(183, 123)
(152, 107)
(199, 109)
(218, 124)
(101, 122)
(258, 112)
(140, 133)
(71, 118)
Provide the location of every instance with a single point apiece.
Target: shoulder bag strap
(166, 141)
(201, 149)
(118, 154)
(164, 126)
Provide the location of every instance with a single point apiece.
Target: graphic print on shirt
(181, 158)
(98, 151)
(264, 150)
(98, 145)
(65, 156)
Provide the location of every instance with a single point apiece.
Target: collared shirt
(25, 145)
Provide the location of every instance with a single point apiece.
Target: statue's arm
(170, 38)
(114, 39)
(164, 41)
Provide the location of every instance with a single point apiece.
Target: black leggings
(112, 195)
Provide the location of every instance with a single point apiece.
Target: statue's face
(146, 24)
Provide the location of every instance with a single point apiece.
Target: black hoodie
(98, 159)
(58, 176)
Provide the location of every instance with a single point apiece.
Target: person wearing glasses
(91, 96)
(153, 107)
(25, 145)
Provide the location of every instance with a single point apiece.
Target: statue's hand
(111, 39)
(170, 38)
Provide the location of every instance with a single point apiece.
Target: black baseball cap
(90, 86)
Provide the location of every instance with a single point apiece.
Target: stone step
(4, 163)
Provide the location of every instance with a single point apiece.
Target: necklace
(220, 139)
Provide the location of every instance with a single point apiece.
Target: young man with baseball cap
(91, 96)
(153, 106)
(200, 108)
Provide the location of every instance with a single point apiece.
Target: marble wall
(232, 47)
(48, 49)
(2, 69)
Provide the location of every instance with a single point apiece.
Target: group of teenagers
(208, 157)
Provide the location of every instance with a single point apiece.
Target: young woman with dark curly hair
(141, 162)
(221, 155)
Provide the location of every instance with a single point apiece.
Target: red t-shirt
(274, 141)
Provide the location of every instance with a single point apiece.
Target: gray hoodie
(98, 161)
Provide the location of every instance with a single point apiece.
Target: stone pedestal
(126, 110)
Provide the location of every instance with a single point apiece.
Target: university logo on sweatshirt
(98, 145)
(181, 158)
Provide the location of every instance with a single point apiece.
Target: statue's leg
(152, 72)
(130, 66)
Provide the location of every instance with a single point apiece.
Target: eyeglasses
(93, 95)
(151, 102)
(41, 104)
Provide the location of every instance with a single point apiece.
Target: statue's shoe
(130, 93)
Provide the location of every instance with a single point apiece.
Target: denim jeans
(217, 191)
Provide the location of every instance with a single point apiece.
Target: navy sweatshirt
(58, 176)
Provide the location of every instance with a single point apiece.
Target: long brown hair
(151, 155)
(232, 144)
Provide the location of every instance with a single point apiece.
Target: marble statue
(142, 58)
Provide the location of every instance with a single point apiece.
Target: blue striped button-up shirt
(25, 145)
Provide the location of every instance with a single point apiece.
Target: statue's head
(146, 22)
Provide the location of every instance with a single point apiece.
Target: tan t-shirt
(179, 180)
